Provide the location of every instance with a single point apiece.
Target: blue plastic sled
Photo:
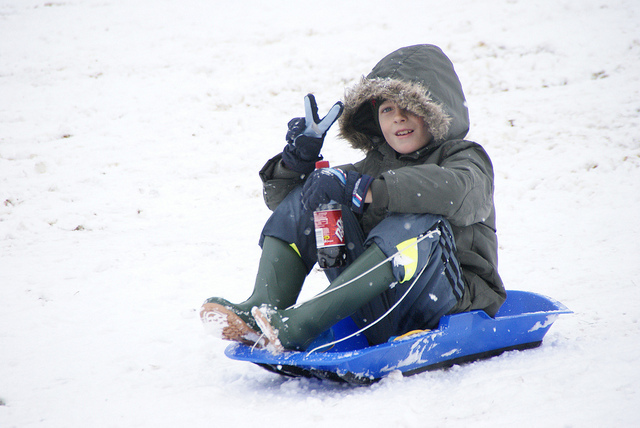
(521, 323)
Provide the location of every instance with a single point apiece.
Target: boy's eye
(385, 110)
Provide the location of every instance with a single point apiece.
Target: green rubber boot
(280, 276)
(295, 328)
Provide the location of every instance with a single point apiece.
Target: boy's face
(404, 131)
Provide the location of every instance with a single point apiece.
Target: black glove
(333, 184)
(306, 135)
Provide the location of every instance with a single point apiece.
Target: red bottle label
(329, 228)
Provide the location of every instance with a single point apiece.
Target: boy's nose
(401, 115)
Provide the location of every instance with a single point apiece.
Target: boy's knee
(399, 228)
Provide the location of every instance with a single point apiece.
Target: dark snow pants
(429, 277)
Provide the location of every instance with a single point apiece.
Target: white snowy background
(131, 134)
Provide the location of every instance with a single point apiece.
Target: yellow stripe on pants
(408, 251)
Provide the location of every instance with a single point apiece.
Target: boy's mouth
(404, 132)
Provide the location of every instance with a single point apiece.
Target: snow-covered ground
(131, 134)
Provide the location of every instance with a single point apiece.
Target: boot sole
(226, 325)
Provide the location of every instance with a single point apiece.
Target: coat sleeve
(459, 187)
(278, 181)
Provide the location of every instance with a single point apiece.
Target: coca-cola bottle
(327, 220)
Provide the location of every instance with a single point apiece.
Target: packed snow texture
(131, 134)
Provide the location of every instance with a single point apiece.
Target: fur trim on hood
(420, 79)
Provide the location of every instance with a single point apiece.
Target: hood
(420, 79)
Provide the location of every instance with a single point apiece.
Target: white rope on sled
(368, 271)
(330, 344)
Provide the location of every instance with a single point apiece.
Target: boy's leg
(423, 267)
(293, 224)
(298, 326)
(278, 281)
(430, 263)
(281, 273)
(288, 254)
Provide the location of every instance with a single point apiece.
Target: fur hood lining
(357, 123)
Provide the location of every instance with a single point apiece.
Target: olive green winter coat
(451, 177)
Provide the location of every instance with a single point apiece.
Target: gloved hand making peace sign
(306, 135)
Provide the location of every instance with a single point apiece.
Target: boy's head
(421, 81)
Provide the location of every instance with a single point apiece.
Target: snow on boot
(242, 310)
(272, 341)
(223, 321)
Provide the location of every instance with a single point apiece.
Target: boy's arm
(305, 136)
(460, 187)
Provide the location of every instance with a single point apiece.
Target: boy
(418, 214)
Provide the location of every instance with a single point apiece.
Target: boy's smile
(404, 131)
